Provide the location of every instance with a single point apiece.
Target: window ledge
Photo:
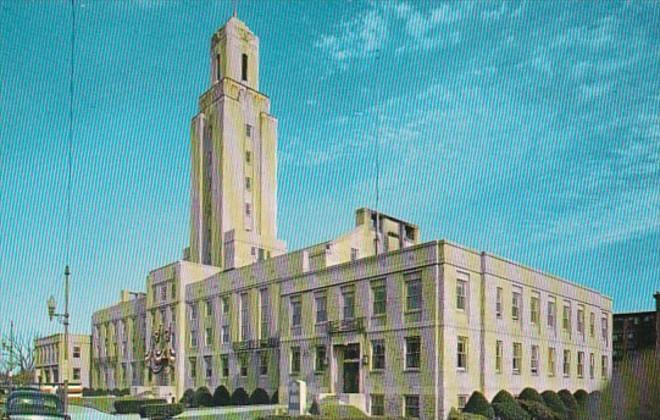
(411, 370)
(412, 311)
(461, 370)
(319, 372)
(377, 371)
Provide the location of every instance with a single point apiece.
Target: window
(243, 361)
(411, 406)
(498, 303)
(208, 337)
(244, 67)
(76, 352)
(173, 290)
(193, 311)
(592, 322)
(245, 317)
(499, 349)
(603, 366)
(580, 364)
(534, 309)
(462, 400)
(248, 156)
(461, 293)
(354, 254)
(552, 311)
(248, 209)
(603, 323)
(515, 305)
(263, 363)
(225, 305)
(461, 353)
(534, 361)
(378, 355)
(567, 362)
(517, 358)
(592, 365)
(218, 70)
(225, 334)
(321, 308)
(566, 318)
(414, 295)
(580, 320)
(413, 352)
(320, 358)
(379, 293)
(296, 311)
(193, 338)
(209, 308)
(349, 303)
(295, 359)
(163, 293)
(76, 374)
(224, 361)
(193, 367)
(208, 366)
(248, 183)
(377, 405)
(264, 313)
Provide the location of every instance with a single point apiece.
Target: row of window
(243, 365)
(51, 353)
(410, 405)
(162, 288)
(53, 374)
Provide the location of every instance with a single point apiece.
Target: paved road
(85, 413)
(230, 413)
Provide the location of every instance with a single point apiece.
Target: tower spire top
(235, 7)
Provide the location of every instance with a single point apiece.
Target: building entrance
(352, 369)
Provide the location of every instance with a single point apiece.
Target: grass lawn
(104, 404)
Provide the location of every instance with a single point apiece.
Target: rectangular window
(163, 293)
(264, 314)
(193, 311)
(377, 405)
(243, 361)
(295, 359)
(411, 406)
(245, 317)
(76, 374)
(461, 293)
(461, 400)
(248, 209)
(173, 291)
(248, 157)
(580, 364)
(263, 363)
(193, 367)
(320, 358)
(224, 361)
(209, 308)
(603, 323)
(208, 337)
(592, 365)
(592, 322)
(580, 320)
(354, 254)
(603, 366)
(76, 352)
(413, 348)
(499, 349)
(534, 309)
(248, 183)
(225, 334)
(379, 293)
(208, 366)
(296, 311)
(567, 362)
(566, 318)
(244, 67)
(349, 303)
(517, 358)
(534, 361)
(193, 338)
(498, 303)
(552, 311)
(414, 295)
(225, 305)
(515, 305)
(551, 361)
(321, 308)
(378, 355)
(461, 353)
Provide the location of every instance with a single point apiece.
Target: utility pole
(11, 353)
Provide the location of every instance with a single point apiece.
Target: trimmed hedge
(314, 410)
(221, 397)
(503, 397)
(203, 397)
(454, 414)
(160, 411)
(478, 404)
(259, 396)
(275, 399)
(538, 410)
(132, 406)
(554, 403)
(188, 398)
(240, 397)
(530, 394)
(568, 399)
(582, 397)
(510, 411)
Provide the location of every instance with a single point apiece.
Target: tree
(17, 356)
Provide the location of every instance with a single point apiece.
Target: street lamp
(63, 318)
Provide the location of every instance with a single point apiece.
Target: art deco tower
(234, 159)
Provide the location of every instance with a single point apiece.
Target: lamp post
(63, 318)
(10, 348)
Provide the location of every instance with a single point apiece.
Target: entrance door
(352, 369)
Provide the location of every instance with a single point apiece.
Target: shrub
(188, 398)
(537, 410)
(568, 399)
(160, 411)
(203, 397)
(503, 397)
(510, 411)
(581, 396)
(240, 397)
(454, 414)
(221, 397)
(314, 410)
(259, 396)
(275, 398)
(530, 394)
(554, 403)
(478, 404)
(132, 405)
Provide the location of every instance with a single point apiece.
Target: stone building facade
(50, 366)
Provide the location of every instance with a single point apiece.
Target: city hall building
(375, 318)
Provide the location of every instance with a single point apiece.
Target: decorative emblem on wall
(162, 354)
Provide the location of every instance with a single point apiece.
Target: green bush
(554, 403)
(259, 396)
(569, 402)
(478, 404)
(160, 411)
(203, 397)
(582, 397)
(530, 394)
(510, 411)
(314, 410)
(503, 397)
(454, 414)
(240, 397)
(132, 405)
(275, 399)
(221, 397)
(188, 398)
(537, 410)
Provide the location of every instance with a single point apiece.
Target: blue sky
(529, 130)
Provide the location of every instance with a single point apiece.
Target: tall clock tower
(234, 159)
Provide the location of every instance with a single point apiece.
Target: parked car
(33, 405)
